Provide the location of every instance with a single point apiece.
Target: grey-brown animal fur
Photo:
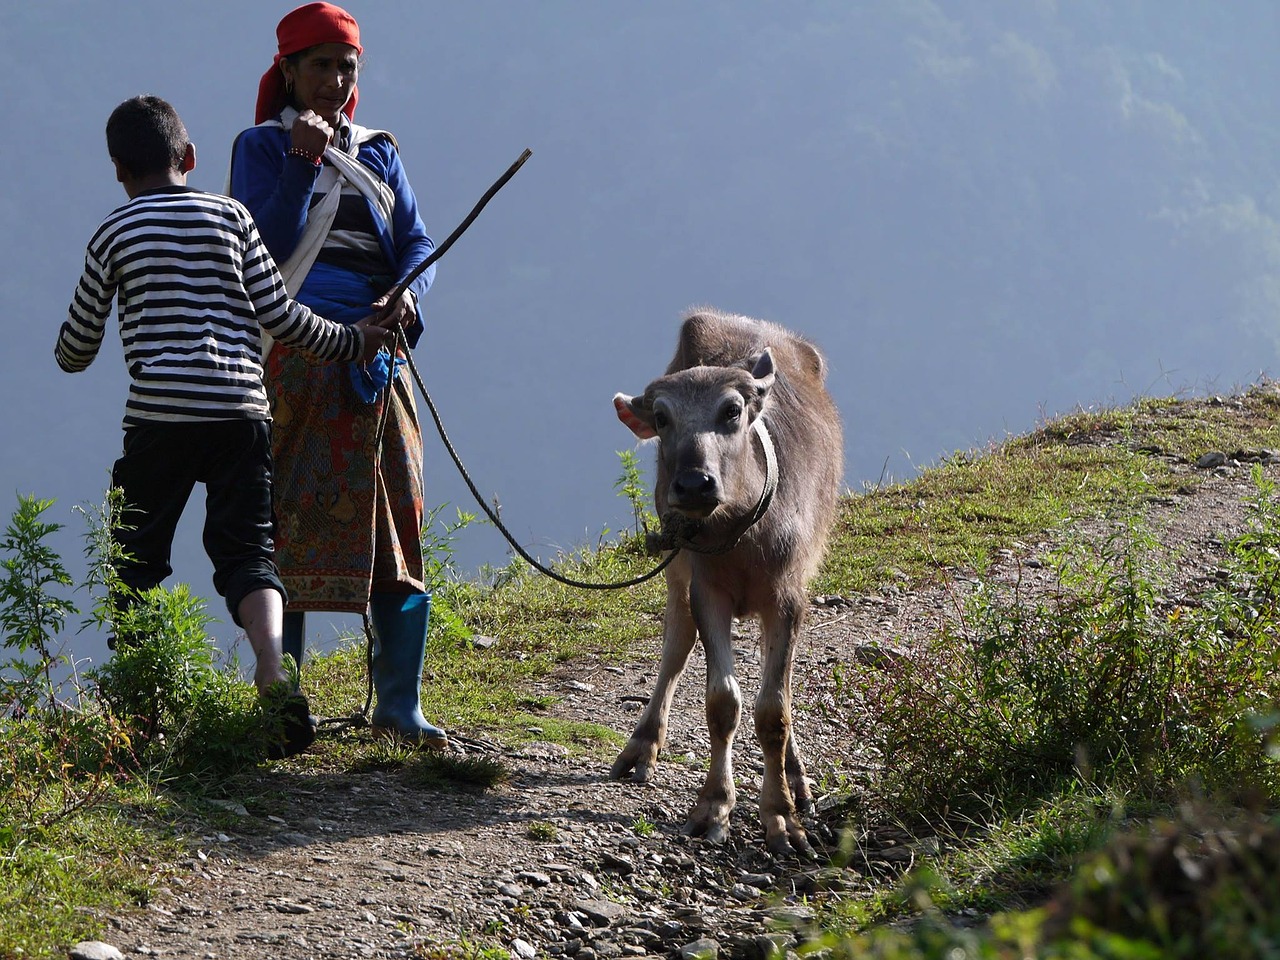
(727, 371)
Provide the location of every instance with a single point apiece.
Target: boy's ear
(188, 159)
(121, 173)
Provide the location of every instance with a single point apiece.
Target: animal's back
(709, 338)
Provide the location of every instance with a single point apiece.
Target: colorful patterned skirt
(348, 515)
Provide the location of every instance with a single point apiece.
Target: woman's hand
(310, 132)
(377, 334)
(399, 314)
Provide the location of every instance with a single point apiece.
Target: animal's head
(702, 419)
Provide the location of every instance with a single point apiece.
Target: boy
(196, 291)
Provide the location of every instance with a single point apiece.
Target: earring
(288, 85)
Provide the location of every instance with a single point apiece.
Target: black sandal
(292, 728)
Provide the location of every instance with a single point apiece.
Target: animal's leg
(797, 775)
(782, 830)
(640, 756)
(710, 815)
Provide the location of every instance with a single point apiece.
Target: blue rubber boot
(399, 644)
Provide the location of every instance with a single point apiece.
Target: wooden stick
(439, 251)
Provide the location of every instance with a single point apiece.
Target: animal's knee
(773, 722)
(724, 690)
(724, 707)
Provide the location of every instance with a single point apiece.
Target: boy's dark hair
(147, 136)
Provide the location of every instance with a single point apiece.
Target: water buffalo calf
(727, 373)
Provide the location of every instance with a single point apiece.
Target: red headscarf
(307, 26)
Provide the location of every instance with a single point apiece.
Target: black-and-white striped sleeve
(287, 320)
(194, 289)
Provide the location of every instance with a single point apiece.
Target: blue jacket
(277, 190)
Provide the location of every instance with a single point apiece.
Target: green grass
(57, 883)
(958, 512)
(542, 831)
(956, 515)
(538, 627)
(1023, 829)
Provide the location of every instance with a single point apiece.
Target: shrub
(163, 699)
(1198, 886)
(1102, 678)
(32, 611)
(439, 539)
(59, 753)
(188, 712)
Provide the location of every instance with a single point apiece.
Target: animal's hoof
(636, 774)
(785, 837)
(635, 763)
(716, 833)
(794, 844)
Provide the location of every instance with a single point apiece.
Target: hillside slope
(310, 861)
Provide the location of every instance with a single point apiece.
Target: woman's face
(323, 78)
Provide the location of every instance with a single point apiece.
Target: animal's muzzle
(694, 492)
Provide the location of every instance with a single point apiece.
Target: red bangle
(313, 158)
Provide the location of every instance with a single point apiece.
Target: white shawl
(320, 217)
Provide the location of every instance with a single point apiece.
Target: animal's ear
(634, 416)
(763, 372)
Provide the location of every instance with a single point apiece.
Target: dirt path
(366, 866)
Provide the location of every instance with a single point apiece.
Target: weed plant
(1028, 733)
(1201, 884)
(1103, 679)
(189, 711)
(33, 607)
(632, 487)
(441, 575)
(58, 754)
(76, 751)
(542, 831)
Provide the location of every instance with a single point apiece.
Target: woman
(335, 209)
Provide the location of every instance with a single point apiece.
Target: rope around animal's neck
(493, 515)
(678, 531)
(402, 346)
(674, 541)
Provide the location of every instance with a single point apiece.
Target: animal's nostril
(694, 483)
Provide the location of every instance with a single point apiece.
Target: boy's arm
(81, 335)
(288, 321)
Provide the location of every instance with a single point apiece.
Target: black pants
(160, 466)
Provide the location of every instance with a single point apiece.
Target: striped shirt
(196, 290)
(352, 240)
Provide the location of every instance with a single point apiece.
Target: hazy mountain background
(986, 213)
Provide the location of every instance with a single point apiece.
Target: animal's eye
(660, 420)
(731, 414)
